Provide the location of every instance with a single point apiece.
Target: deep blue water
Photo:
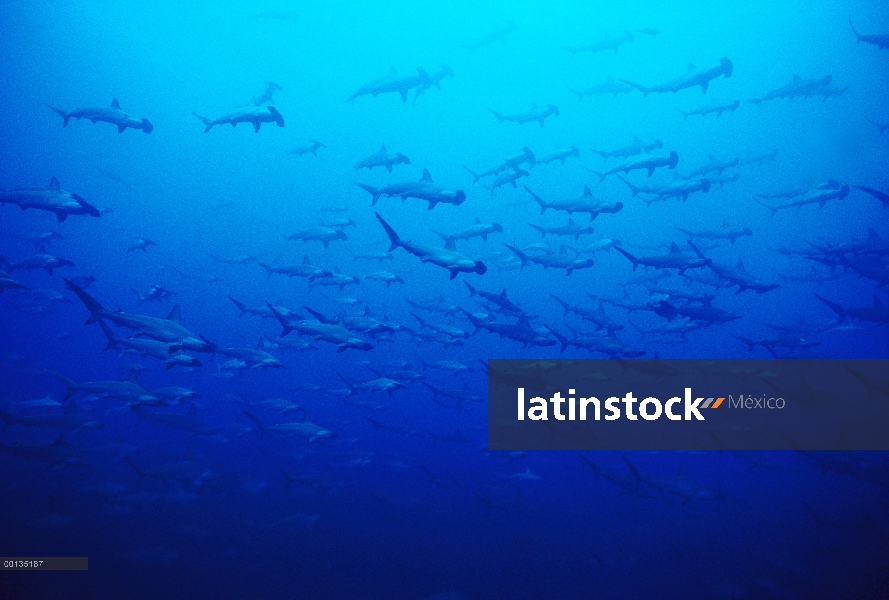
(406, 501)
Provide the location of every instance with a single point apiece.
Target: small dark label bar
(44, 563)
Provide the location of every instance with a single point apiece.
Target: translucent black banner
(688, 404)
(44, 563)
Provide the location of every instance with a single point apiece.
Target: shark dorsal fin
(60, 441)
(133, 377)
(636, 141)
(877, 303)
(115, 103)
(503, 293)
(740, 265)
(691, 67)
(54, 185)
(260, 344)
(725, 223)
(71, 408)
(796, 77)
(174, 315)
(366, 310)
(426, 176)
(451, 244)
(586, 191)
(570, 222)
(873, 235)
(383, 148)
(192, 411)
(478, 221)
(305, 259)
(674, 249)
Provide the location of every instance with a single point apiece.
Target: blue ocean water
(395, 495)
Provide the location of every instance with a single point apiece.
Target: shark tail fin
(96, 309)
(645, 91)
(136, 468)
(268, 269)
(241, 306)
(591, 465)
(601, 176)
(561, 302)
(636, 475)
(256, 422)
(204, 120)
(290, 479)
(522, 256)
(348, 383)
(374, 192)
(857, 35)
(475, 175)
(419, 320)
(65, 116)
(393, 237)
(632, 187)
(537, 199)
(112, 341)
(563, 341)
(7, 418)
(443, 236)
(281, 319)
(632, 258)
(602, 153)
(772, 209)
(472, 319)
(70, 386)
(839, 310)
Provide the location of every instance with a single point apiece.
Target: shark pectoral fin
(121, 128)
(403, 95)
(704, 87)
(454, 273)
(256, 126)
(650, 171)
